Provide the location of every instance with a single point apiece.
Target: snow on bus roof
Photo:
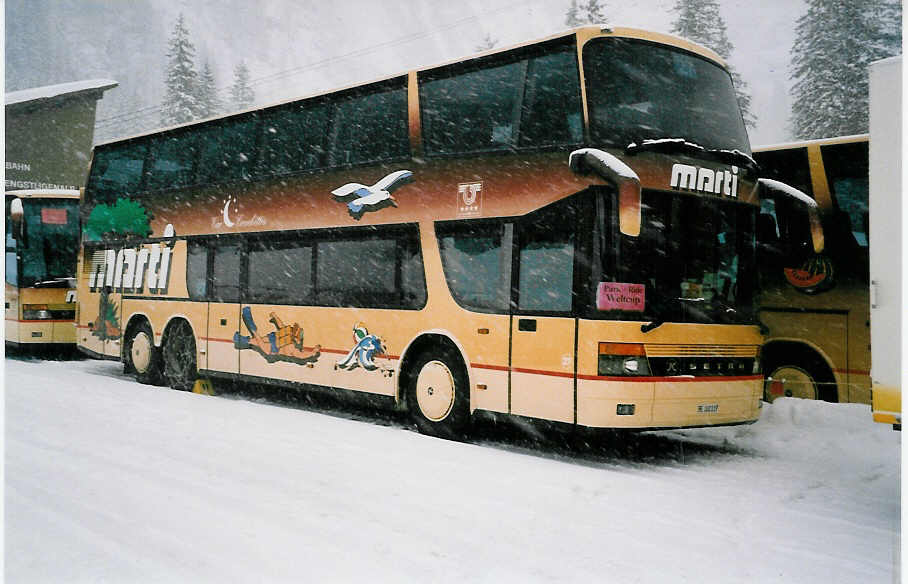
(59, 90)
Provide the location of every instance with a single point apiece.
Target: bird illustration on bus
(373, 198)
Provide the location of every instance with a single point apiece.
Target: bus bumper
(682, 403)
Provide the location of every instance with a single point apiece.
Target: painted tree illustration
(124, 219)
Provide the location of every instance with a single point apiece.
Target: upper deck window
(117, 171)
(370, 127)
(516, 100)
(643, 91)
(295, 139)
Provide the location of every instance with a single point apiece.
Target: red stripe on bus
(492, 367)
(852, 371)
(541, 372)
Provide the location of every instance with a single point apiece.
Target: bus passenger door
(224, 307)
(543, 328)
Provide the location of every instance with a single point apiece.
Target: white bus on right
(886, 243)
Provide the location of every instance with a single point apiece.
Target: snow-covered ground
(108, 480)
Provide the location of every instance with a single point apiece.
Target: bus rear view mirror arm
(781, 190)
(619, 175)
(17, 218)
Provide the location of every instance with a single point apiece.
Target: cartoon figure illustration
(107, 326)
(284, 344)
(373, 198)
(367, 347)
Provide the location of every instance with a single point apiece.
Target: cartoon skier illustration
(365, 350)
(378, 196)
(283, 344)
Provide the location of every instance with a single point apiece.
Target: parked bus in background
(42, 247)
(887, 244)
(562, 230)
(817, 308)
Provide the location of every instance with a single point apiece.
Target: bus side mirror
(17, 218)
(620, 176)
(774, 189)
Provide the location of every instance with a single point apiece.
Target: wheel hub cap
(435, 390)
(795, 381)
(141, 352)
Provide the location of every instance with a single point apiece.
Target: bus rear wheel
(142, 357)
(180, 357)
(791, 381)
(438, 395)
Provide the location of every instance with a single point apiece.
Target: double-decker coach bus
(562, 230)
(817, 308)
(42, 248)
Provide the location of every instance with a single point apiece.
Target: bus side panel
(11, 326)
(542, 368)
(223, 322)
(829, 335)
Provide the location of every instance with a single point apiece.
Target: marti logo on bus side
(705, 180)
(131, 270)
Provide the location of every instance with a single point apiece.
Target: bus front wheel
(438, 396)
(142, 358)
(179, 357)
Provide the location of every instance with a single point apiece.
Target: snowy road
(108, 480)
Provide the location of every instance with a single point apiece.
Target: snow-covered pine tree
(181, 96)
(572, 16)
(589, 12)
(241, 95)
(209, 102)
(835, 41)
(701, 21)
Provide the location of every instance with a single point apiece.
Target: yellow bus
(42, 248)
(561, 230)
(817, 308)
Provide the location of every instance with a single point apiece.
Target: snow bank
(111, 480)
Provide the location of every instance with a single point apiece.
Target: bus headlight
(623, 359)
(35, 312)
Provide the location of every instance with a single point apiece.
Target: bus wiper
(684, 145)
(663, 145)
(658, 319)
(653, 324)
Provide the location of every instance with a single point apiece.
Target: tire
(143, 359)
(801, 375)
(438, 395)
(180, 357)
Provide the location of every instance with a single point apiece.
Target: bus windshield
(641, 91)
(50, 248)
(692, 262)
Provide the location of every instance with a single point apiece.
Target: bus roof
(583, 33)
(817, 141)
(44, 194)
